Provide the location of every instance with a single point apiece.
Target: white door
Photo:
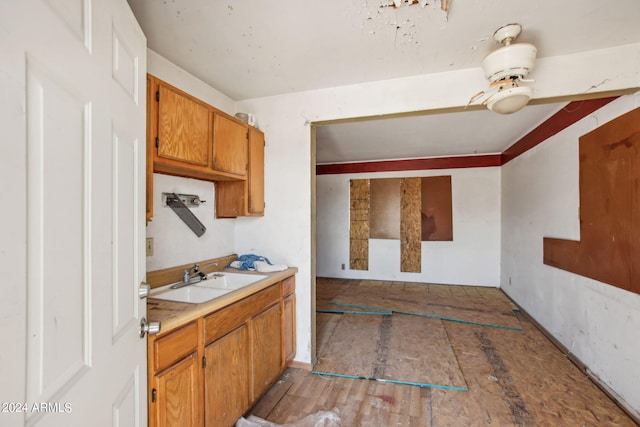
(72, 74)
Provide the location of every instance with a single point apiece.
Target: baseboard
(632, 413)
(300, 365)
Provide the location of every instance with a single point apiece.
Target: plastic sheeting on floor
(319, 419)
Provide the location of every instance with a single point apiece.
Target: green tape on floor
(430, 316)
(382, 380)
(380, 313)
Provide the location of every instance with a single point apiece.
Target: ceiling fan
(506, 69)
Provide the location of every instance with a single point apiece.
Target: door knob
(150, 328)
(144, 290)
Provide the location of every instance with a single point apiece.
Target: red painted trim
(564, 118)
(411, 164)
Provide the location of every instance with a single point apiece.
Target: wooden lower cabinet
(212, 370)
(174, 389)
(226, 378)
(267, 350)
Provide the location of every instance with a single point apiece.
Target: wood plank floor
(514, 377)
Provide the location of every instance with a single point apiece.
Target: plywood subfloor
(485, 306)
(514, 378)
(398, 348)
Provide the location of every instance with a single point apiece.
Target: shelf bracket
(184, 213)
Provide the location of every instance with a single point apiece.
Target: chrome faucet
(187, 277)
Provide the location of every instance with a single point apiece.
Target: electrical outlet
(149, 246)
(343, 266)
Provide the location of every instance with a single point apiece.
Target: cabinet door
(288, 329)
(183, 128)
(256, 173)
(230, 140)
(231, 199)
(267, 349)
(244, 198)
(226, 378)
(176, 393)
(174, 378)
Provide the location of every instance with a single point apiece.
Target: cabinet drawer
(288, 286)
(228, 319)
(174, 346)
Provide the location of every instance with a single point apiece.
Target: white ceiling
(255, 48)
(436, 135)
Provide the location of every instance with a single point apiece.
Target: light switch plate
(149, 246)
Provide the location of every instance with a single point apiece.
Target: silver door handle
(144, 290)
(150, 328)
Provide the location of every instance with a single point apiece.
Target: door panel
(59, 280)
(76, 14)
(123, 197)
(76, 70)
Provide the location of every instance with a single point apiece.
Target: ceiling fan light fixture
(509, 61)
(507, 101)
(505, 68)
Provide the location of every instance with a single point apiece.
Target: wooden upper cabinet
(230, 139)
(183, 128)
(190, 138)
(245, 198)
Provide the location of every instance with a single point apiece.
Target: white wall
(472, 258)
(285, 231)
(597, 322)
(174, 242)
(161, 68)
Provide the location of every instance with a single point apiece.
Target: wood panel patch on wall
(359, 225)
(609, 246)
(385, 208)
(410, 225)
(437, 209)
(411, 210)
